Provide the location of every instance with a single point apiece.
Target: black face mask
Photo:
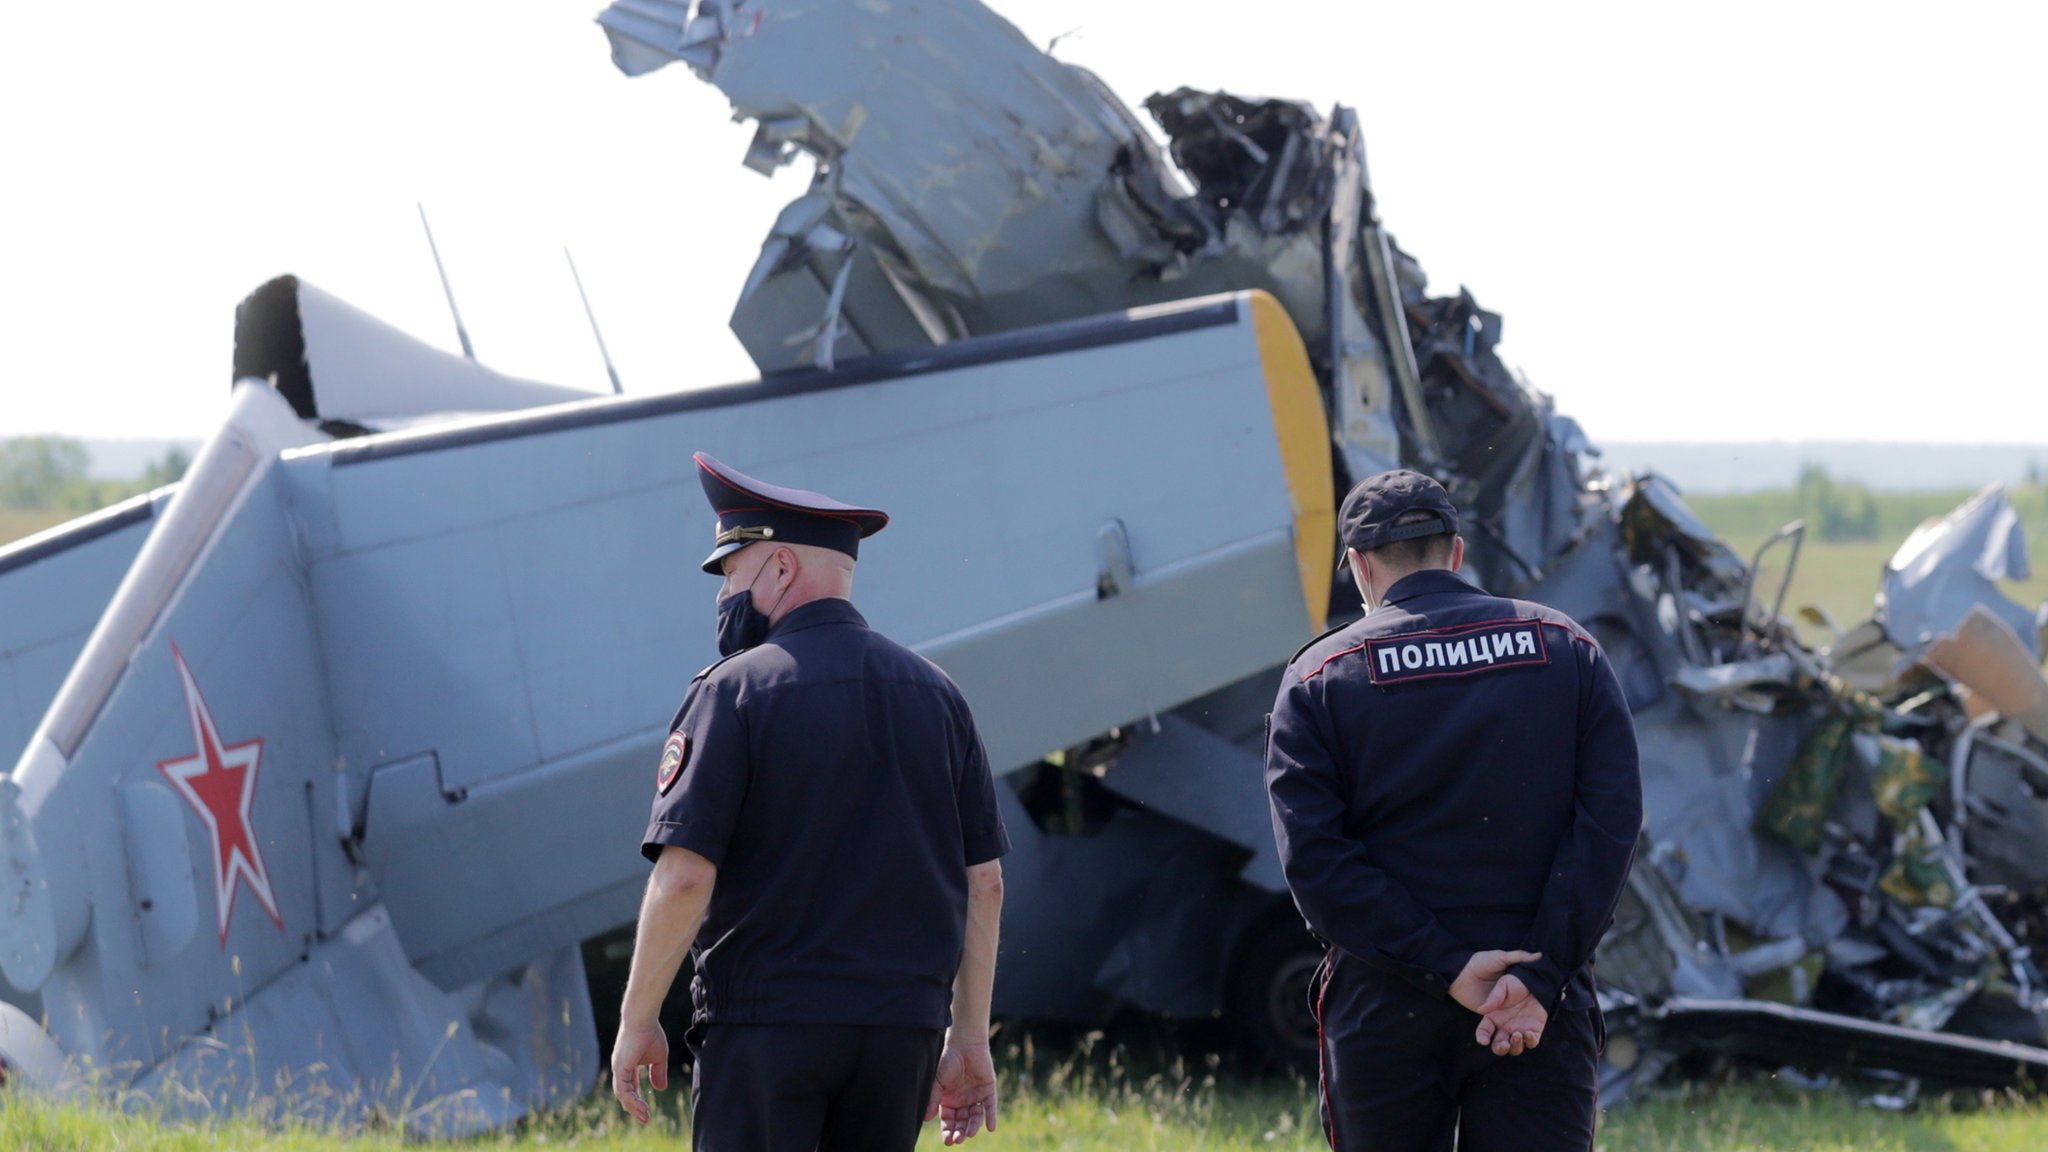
(741, 625)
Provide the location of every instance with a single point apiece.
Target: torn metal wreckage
(387, 669)
(1847, 849)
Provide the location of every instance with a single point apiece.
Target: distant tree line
(1850, 513)
(50, 474)
(1835, 509)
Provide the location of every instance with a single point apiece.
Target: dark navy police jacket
(1451, 773)
(836, 780)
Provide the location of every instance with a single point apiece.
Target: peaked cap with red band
(749, 510)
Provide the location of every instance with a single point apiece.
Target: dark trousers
(1402, 1073)
(806, 1087)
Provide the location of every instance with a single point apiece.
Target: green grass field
(1156, 1113)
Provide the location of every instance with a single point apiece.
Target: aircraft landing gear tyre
(1267, 995)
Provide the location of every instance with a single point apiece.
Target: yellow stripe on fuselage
(1303, 430)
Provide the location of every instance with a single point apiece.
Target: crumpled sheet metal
(1184, 772)
(1946, 568)
(1726, 680)
(1699, 790)
(1782, 1034)
(2007, 837)
(1839, 868)
(1993, 662)
(990, 187)
(1706, 765)
(969, 184)
(984, 209)
(647, 34)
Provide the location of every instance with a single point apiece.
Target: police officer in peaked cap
(1456, 801)
(826, 844)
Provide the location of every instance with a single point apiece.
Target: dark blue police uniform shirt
(836, 780)
(1451, 773)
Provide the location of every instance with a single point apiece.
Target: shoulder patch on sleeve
(673, 753)
(1464, 650)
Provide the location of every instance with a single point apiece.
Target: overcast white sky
(1736, 222)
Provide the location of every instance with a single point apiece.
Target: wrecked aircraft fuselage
(1862, 842)
(321, 751)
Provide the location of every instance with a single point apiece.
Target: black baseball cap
(1367, 519)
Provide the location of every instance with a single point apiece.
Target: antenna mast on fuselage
(461, 333)
(617, 388)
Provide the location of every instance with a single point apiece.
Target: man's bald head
(784, 577)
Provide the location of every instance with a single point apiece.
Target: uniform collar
(1427, 582)
(830, 610)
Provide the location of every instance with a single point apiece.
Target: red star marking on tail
(219, 782)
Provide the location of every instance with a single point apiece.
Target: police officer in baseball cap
(826, 844)
(1456, 800)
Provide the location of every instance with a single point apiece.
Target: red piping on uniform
(1322, 1075)
(1306, 677)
